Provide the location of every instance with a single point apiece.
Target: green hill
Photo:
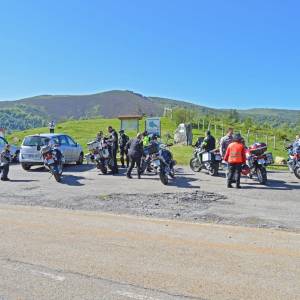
(38, 111)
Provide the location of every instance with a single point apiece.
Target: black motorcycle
(53, 160)
(165, 164)
(202, 159)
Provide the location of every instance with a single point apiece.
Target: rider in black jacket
(114, 145)
(123, 140)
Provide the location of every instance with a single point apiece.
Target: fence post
(267, 139)
(248, 133)
(203, 124)
(274, 142)
(215, 129)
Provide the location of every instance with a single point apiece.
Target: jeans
(133, 161)
(5, 170)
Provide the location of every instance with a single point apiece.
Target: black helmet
(207, 132)
(121, 131)
(237, 137)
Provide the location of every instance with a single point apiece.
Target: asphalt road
(157, 242)
(190, 197)
(51, 253)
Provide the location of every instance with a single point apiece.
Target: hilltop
(37, 111)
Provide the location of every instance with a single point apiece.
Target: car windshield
(35, 141)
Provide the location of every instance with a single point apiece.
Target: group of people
(131, 150)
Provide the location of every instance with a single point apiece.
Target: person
(99, 136)
(5, 159)
(114, 144)
(225, 141)
(146, 138)
(199, 142)
(123, 151)
(209, 142)
(296, 143)
(235, 156)
(135, 153)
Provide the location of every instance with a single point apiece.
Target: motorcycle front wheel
(195, 164)
(164, 178)
(103, 169)
(297, 172)
(261, 173)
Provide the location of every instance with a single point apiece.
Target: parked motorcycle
(294, 160)
(164, 164)
(100, 155)
(206, 160)
(53, 160)
(257, 161)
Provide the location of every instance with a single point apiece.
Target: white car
(30, 153)
(14, 150)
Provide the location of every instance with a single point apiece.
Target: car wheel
(26, 167)
(80, 159)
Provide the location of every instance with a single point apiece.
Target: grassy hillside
(84, 131)
(35, 111)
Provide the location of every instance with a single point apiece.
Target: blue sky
(230, 53)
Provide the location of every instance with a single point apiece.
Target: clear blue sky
(242, 53)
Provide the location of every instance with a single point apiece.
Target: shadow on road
(272, 184)
(184, 182)
(21, 180)
(80, 168)
(72, 180)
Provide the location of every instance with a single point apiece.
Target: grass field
(84, 131)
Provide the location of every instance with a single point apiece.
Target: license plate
(261, 161)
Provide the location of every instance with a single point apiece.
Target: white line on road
(134, 296)
(49, 275)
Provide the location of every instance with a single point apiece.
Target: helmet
(237, 137)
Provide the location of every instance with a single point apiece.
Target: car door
(73, 148)
(65, 148)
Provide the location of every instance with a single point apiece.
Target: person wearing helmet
(5, 159)
(114, 145)
(209, 142)
(235, 156)
(123, 140)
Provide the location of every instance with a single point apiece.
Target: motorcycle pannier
(206, 156)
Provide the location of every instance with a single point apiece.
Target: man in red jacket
(236, 157)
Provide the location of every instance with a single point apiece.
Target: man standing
(135, 153)
(123, 151)
(5, 159)
(113, 139)
(226, 141)
(236, 157)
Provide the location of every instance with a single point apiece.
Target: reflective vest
(235, 153)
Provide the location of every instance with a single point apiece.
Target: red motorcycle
(257, 161)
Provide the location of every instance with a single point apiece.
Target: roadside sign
(153, 126)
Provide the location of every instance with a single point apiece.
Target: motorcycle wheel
(214, 169)
(143, 166)
(261, 173)
(297, 172)
(195, 165)
(103, 169)
(164, 178)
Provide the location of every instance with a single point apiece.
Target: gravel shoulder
(190, 197)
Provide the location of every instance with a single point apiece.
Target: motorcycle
(100, 155)
(164, 164)
(257, 161)
(294, 160)
(53, 160)
(206, 160)
(150, 155)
